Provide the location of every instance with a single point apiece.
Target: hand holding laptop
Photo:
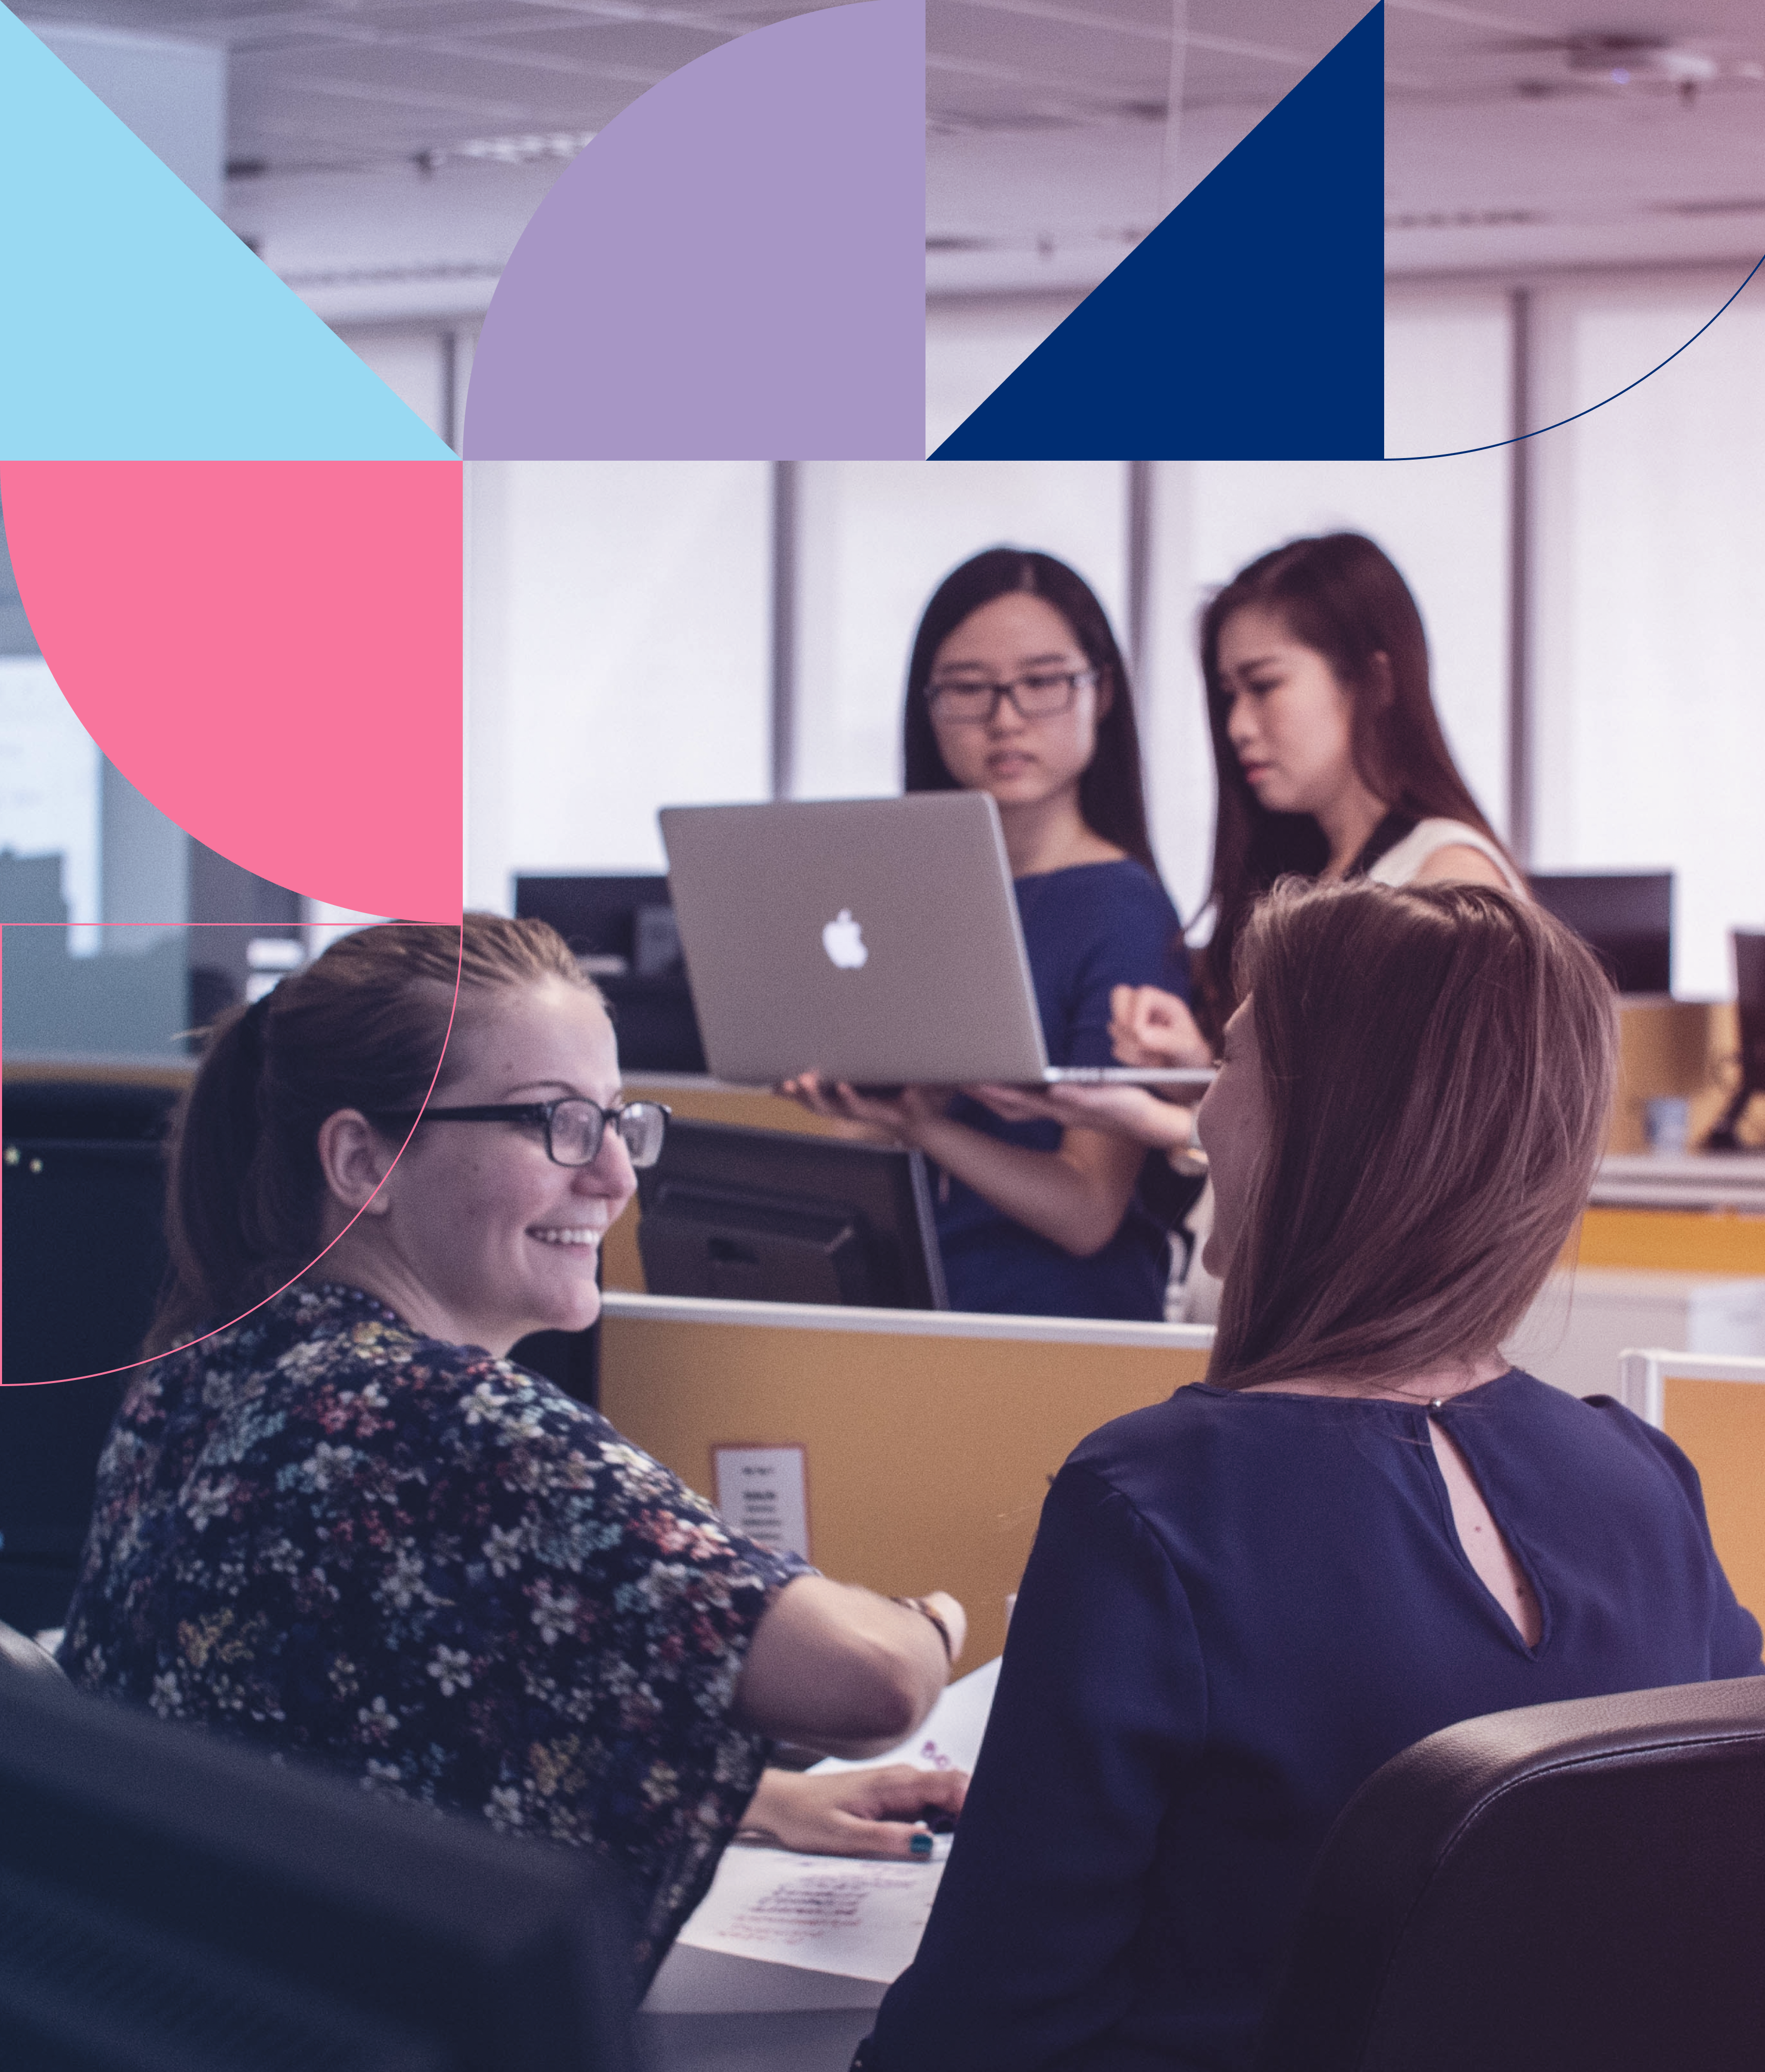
(1148, 1027)
(895, 1119)
(1135, 1113)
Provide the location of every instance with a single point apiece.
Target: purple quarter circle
(735, 268)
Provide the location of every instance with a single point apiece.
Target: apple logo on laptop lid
(843, 939)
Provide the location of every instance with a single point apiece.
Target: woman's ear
(354, 1158)
(1381, 684)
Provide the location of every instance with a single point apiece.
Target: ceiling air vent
(1743, 205)
(1463, 219)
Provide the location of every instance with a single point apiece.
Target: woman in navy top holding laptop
(1017, 688)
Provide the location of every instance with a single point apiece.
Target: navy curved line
(1458, 452)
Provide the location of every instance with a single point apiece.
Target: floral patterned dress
(327, 1533)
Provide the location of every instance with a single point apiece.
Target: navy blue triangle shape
(1249, 325)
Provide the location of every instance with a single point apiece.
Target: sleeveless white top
(1399, 865)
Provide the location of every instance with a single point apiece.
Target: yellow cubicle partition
(1714, 1408)
(1721, 1424)
(1683, 1047)
(1671, 1240)
(929, 1437)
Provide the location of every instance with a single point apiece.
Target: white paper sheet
(855, 1917)
(852, 1916)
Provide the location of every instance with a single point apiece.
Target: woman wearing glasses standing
(336, 1518)
(1016, 687)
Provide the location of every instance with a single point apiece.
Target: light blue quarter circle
(137, 326)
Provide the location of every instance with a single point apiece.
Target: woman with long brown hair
(1330, 764)
(335, 1519)
(1364, 1526)
(1330, 758)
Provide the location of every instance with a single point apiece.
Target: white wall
(1649, 673)
(427, 363)
(618, 658)
(1448, 368)
(875, 540)
(974, 341)
(1651, 578)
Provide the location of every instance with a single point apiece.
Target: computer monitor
(623, 930)
(84, 1193)
(768, 1215)
(1750, 1005)
(1627, 917)
(172, 1899)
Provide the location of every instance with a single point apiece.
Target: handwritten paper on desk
(852, 1916)
(856, 1918)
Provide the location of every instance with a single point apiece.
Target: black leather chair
(1571, 1888)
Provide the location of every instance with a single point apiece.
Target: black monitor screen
(168, 1899)
(599, 917)
(624, 931)
(1750, 996)
(1628, 919)
(777, 1216)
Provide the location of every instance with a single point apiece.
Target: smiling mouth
(582, 1239)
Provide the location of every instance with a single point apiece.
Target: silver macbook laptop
(872, 940)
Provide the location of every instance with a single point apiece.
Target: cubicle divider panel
(1721, 1426)
(1671, 1240)
(929, 1440)
(1667, 1048)
(701, 1100)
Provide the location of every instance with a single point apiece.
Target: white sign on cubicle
(763, 1493)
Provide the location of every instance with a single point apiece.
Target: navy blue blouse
(1087, 930)
(1237, 1608)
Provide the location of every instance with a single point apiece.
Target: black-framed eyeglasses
(575, 1126)
(1038, 694)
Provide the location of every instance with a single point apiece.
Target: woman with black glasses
(1016, 687)
(335, 1519)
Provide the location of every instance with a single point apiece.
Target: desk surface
(820, 2040)
(1692, 1180)
(622, 1305)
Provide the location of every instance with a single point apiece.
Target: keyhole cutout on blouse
(1488, 1552)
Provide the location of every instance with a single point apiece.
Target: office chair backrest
(1570, 1888)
